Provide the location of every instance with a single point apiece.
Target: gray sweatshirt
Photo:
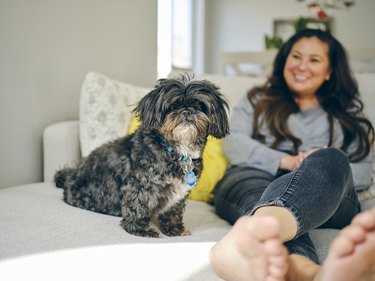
(310, 126)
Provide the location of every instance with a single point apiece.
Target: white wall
(46, 48)
(240, 25)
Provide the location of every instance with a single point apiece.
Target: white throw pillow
(105, 110)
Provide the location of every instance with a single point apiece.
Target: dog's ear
(216, 105)
(219, 125)
(148, 110)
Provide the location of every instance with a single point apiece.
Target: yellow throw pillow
(134, 124)
(215, 165)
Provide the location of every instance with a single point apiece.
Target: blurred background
(48, 46)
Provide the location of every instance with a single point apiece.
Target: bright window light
(174, 36)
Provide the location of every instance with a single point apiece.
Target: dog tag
(190, 179)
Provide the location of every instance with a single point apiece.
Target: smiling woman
(306, 69)
(299, 149)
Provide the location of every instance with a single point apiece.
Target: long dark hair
(339, 97)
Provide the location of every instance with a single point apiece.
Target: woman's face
(307, 66)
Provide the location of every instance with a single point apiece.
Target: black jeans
(320, 194)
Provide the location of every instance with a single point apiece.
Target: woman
(300, 148)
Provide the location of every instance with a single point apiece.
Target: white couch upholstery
(38, 231)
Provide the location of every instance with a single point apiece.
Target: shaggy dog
(151, 172)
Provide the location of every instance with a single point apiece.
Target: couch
(43, 237)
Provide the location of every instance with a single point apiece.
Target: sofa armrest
(61, 147)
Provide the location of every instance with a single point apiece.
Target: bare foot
(352, 254)
(252, 250)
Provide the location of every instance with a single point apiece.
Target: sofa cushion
(215, 164)
(105, 110)
(35, 219)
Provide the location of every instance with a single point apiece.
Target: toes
(353, 234)
(277, 259)
(275, 248)
(274, 278)
(351, 256)
(365, 219)
(277, 271)
(342, 246)
(252, 250)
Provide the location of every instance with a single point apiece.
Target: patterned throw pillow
(105, 110)
(366, 194)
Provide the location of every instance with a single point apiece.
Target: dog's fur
(142, 175)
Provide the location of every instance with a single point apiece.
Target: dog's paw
(176, 231)
(186, 233)
(139, 231)
(145, 233)
(148, 233)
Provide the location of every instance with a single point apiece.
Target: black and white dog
(151, 172)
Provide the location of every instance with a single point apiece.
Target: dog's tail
(61, 176)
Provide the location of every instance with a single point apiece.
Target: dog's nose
(187, 112)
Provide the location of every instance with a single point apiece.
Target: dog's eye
(173, 107)
(202, 107)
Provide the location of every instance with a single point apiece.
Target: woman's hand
(291, 162)
(287, 162)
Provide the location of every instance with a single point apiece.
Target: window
(180, 35)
